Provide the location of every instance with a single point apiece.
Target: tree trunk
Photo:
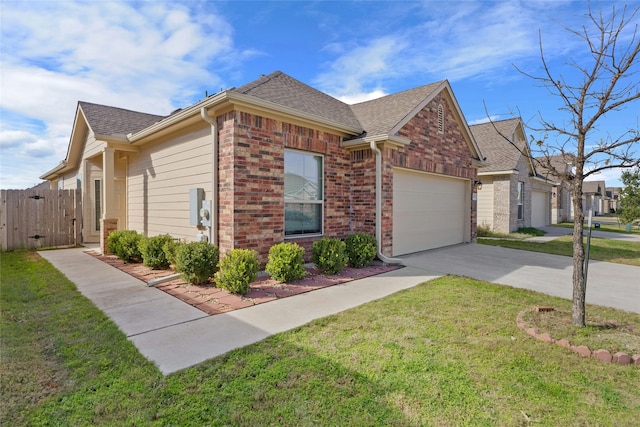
(579, 286)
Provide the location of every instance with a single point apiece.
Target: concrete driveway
(608, 284)
(175, 335)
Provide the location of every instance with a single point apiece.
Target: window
(440, 119)
(97, 196)
(303, 193)
(520, 200)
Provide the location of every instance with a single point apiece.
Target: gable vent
(440, 119)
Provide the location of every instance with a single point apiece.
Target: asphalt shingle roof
(501, 154)
(105, 120)
(284, 90)
(381, 115)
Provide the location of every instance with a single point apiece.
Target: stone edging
(582, 350)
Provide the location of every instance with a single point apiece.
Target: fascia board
(506, 172)
(394, 140)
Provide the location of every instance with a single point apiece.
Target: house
(613, 195)
(595, 198)
(513, 195)
(277, 160)
(553, 168)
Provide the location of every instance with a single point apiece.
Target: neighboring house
(553, 168)
(280, 161)
(512, 194)
(613, 195)
(594, 197)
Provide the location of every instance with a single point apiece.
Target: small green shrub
(286, 262)
(237, 270)
(531, 231)
(197, 262)
(124, 244)
(152, 250)
(170, 248)
(361, 249)
(329, 255)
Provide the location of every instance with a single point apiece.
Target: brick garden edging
(213, 300)
(619, 358)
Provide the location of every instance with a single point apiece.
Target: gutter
(213, 229)
(378, 155)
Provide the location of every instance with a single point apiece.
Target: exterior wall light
(477, 184)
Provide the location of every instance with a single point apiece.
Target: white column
(108, 184)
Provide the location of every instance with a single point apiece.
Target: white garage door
(429, 211)
(539, 208)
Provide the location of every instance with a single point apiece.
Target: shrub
(170, 248)
(237, 270)
(286, 262)
(329, 255)
(531, 231)
(152, 250)
(124, 244)
(197, 262)
(361, 249)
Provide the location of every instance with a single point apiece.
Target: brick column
(107, 226)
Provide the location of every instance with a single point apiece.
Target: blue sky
(156, 56)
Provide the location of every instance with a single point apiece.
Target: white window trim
(309, 202)
(521, 200)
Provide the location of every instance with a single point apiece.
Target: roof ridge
(402, 92)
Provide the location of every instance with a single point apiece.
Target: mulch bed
(213, 300)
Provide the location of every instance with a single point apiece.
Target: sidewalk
(176, 335)
(555, 232)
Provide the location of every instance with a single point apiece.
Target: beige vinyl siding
(69, 181)
(92, 147)
(485, 202)
(159, 180)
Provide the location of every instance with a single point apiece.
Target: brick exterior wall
(251, 176)
(251, 181)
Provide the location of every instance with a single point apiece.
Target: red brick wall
(251, 164)
(444, 153)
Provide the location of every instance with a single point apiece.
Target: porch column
(108, 222)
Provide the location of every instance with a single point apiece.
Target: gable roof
(590, 187)
(561, 163)
(383, 115)
(500, 155)
(282, 89)
(113, 121)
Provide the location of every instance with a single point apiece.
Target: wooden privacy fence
(31, 219)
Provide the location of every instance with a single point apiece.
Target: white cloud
(485, 120)
(145, 56)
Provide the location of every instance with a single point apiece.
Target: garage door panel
(539, 208)
(429, 211)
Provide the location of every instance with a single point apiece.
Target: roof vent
(440, 119)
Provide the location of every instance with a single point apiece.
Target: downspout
(213, 229)
(378, 155)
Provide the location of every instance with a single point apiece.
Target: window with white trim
(520, 200)
(303, 193)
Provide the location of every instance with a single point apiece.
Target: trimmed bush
(152, 250)
(124, 244)
(237, 270)
(361, 249)
(286, 262)
(170, 248)
(329, 255)
(197, 262)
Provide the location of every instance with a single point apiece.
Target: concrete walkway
(176, 335)
(553, 233)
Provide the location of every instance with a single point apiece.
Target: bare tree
(606, 82)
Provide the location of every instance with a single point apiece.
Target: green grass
(617, 251)
(520, 234)
(444, 353)
(609, 224)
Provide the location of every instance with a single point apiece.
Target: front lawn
(447, 353)
(617, 251)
